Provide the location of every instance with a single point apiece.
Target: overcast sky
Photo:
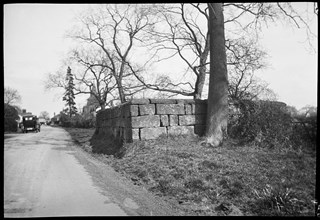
(34, 45)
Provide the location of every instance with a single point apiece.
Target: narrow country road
(45, 174)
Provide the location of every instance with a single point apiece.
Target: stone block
(163, 101)
(115, 131)
(173, 120)
(152, 133)
(127, 134)
(139, 101)
(130, 110)
(185, 101)
(135, 134)
(188, 109)
(116, 122)
(99, 116)
(145, 121)
(164, 120)
(117, 112)
(170, 109)
(107, 123)
(180, 130)
(148, 109)
(192, 119)
(124, 122)
(110, 114)
(187, 120)
(104, 114)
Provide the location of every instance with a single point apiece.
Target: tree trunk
(120, 88)
(202, 70)
(121, 92)
(199, 83)
(217, 112)
(102, 106)
(201, 77)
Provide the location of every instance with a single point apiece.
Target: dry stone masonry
(143, 119)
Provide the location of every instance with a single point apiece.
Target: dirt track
(45, 174)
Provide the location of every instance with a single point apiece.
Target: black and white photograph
(160, 109)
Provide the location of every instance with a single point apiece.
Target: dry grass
(226, 180)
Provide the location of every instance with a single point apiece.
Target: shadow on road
(11, 135)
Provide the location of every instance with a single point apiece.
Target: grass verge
(226, 180)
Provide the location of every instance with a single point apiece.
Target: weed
(210, 164)
(183, 155)
(195, 184)
(178, 173)
(164, 185)
(277, 201)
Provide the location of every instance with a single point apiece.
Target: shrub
(262, 122)
(65, 120)
(10, 117)
(195, 184)
(305, 129)
(79, 121)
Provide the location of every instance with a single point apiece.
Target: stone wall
(143, 119)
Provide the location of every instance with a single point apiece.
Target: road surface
(46, 174)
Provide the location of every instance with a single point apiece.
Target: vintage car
(30, 123)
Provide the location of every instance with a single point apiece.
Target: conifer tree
(69, 95)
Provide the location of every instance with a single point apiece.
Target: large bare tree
(244, 58)
(105, 58)
(182, 34)
(115, 29)
(11, 96)
(95, 78)
(217, 115)
(179, 34)
(45, 115)
(90, 76)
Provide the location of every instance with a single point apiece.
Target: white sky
(34, 45)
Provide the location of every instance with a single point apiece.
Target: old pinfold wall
(142, 119)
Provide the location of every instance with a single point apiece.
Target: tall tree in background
(69, 94)
(45, 115)
(179, 34)
(182, 34)
(94, 77)
(89, 65)
(217, 113)
(116, 29)
(11, 96)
